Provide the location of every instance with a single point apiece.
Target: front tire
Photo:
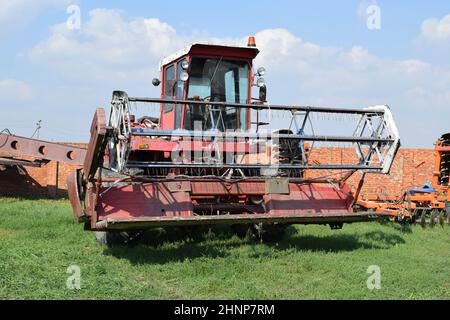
(111, 238)
(267, 232)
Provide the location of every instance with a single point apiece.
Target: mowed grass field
(39, 241)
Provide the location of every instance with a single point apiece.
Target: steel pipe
(251, 135)
(149, 164)
(257, 106)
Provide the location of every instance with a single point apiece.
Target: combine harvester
(209, 158)
(428, 205)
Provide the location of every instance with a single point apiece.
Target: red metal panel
(143, 200)
(225, 188)
(74, 196)
(94, 154)
(160, 204)
(230, 52)
(235, 147)
(309, 199)
(149, 144)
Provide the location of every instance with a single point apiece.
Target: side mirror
(263, 93)
(156, 82)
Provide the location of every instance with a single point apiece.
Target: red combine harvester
(209, 158)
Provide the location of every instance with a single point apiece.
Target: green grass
(39, 240)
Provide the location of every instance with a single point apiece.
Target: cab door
(180, 87)
(168, 90)
(173, 89)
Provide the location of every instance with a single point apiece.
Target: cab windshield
(218, 80)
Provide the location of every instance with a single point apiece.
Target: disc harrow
(428, 205)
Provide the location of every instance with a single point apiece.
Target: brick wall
(46, 181)
(411, 168)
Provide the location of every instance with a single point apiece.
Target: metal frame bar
(257, 106)
(381, 139)
(148, 222)
(250, 135)
(22, 146)
(151, 164)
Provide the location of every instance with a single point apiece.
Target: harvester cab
(207, 73)
(216, 155)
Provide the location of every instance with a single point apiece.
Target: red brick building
(412, 167)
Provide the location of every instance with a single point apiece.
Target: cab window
(222, 80)
(179, 87)
(169, 81)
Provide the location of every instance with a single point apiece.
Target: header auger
(209, 157)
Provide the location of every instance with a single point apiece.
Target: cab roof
(211, 50)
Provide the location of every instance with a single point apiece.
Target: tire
(267, 232)
(273, 232)
(111, 238)
(242, 230)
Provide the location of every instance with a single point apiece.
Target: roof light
(251, 42)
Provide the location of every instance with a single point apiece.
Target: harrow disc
(442, 217)
(433, 218)
(423, 221)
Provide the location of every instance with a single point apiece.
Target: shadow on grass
(405, 228)
(340, 242)
(160, 247)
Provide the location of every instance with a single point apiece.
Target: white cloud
(107, 46)
(412, 66)
(13, 90)
(277, 42)
(436, 31)
(14, 13)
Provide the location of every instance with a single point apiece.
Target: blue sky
(316, 52)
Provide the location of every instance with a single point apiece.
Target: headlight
(184, 76)
(185, 64)
(261, 82)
